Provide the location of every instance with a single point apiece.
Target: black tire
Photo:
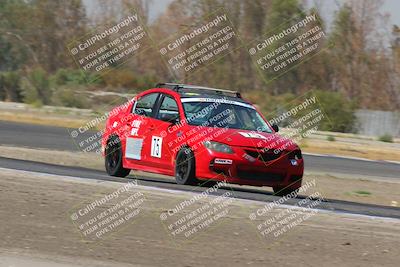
(113, 159)
(283, 191)
(185, 167)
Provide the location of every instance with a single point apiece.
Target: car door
(162, 135)
(139, 134)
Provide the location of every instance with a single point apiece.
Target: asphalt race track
(37, 136)
(58, 138)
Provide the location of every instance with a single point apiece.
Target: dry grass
(369, 150)
(43, 119)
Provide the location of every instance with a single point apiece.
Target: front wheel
(113, 159)
(185, 167)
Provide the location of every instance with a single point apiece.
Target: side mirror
(171, 118)
(175, 120)
(275, 127)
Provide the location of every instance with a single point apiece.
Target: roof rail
(173, 86)
(187, 87)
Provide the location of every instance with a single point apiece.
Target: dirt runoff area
(49, 220)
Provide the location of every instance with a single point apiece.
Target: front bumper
(250, 166)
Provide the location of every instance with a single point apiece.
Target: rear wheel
(113, 158)
(185, 167)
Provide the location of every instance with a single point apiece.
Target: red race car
(196, 133)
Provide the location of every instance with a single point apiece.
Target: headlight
(218, 147)
(295, 154)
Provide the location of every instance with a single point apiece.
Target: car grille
(263, 155)
(260, 176)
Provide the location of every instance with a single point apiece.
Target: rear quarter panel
(116, 123)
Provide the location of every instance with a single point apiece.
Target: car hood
(245, 138)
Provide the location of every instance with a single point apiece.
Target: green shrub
(36, 88)
(339, 112)
(2, 89)
(386, 138)
(127, 80)
(68, 76)
(67, 96)
(362, 192)
(331, 138)
(10, 86)
(120, 78)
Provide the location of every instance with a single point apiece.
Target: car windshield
(233, 115)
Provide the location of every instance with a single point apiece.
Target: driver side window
(168, 109)
(145, 105)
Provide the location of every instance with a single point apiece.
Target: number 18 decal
(156, 145)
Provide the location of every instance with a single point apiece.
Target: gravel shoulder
(37, 208)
